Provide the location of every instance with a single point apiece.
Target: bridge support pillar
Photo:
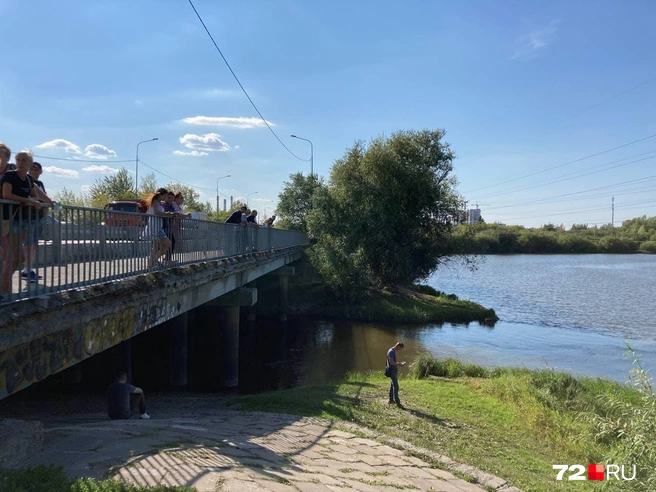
(283, 300)
(228, 346)
(122, 359)
(178, 352)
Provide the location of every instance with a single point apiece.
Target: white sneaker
(144, 416)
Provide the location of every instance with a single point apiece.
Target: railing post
(56, 241)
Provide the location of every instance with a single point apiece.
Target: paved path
(213, 448)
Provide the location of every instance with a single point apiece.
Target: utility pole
(612, 208)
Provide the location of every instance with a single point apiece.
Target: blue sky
(519, 86)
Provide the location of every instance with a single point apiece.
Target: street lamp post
(136, 191)
(311, 153)
(255, 192)
(217, 191)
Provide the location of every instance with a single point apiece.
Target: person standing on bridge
(155, 228)
(393, 370)
(124, 400)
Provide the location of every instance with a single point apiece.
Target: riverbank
(401, 305)
(194, 443)
(513, 423)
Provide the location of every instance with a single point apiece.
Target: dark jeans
(138, 403)
(394, 387)
(172, 248)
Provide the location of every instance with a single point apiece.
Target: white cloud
(60, 143)
(100, 169)
(261, 200)
(241, 122)
(237, 147)
(98, 151)
(138, 102)
(194, 153)
(93, 151)
(85, 188)
(210, 142)
(534, 42)
(66, 173)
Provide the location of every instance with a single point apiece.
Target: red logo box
(595, 472)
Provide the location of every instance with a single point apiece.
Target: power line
(565, 163)
(597, 209)
(575, 174)
(174, 179)
(547, 199)
(79, 160)
(548, 127)
(240, 85)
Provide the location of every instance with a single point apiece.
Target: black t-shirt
(118, 400)
(19, 187)
(235, 218)
(251, 218)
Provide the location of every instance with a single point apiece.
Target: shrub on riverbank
(53, 479)
(514, 423)
(399, 305)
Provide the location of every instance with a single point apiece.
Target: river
(567, 312)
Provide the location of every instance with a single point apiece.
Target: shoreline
(412, 304)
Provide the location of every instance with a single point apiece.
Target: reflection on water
(307, 352)
(562, 312)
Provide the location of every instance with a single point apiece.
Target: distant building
(474, 215)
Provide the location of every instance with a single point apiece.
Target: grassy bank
(53, 479)
(414, 304)
(513, 423)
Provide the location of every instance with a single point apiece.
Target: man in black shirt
(123, 399)
(235, 218)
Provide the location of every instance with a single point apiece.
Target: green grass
(402, 305)
(52, 479)
(513, 423)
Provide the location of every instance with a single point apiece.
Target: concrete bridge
(111, 295)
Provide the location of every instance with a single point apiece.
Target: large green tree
(386, 215)
(192, 201)
(295, 201)
(116, 186)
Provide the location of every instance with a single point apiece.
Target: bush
(426, 289)
(648, 247)
(427, 365)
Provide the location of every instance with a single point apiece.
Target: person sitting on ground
(235, 217)
(124, 400)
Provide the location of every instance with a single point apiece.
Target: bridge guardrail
(74, 246)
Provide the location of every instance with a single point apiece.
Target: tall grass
(592, 418)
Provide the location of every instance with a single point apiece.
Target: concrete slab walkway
(213, 449)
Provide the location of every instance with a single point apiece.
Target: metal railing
(75, 247)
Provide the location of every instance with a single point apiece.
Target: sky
(534, 96)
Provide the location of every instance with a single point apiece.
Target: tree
(386, 215)
(148, 185)
(191, 198)
(117, 186)
(295, 201)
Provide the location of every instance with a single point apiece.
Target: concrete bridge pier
(122, 359)
(283, 275)
(178, 352)
(227, 355)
